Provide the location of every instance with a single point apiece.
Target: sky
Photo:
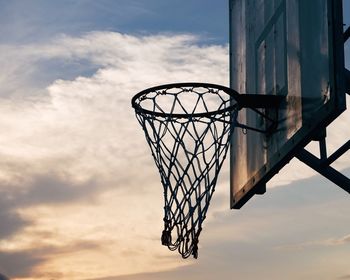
(80, 196)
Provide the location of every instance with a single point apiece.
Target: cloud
(164, 57)
(317, 243)
(76, 141)
(339, 241)
(19, 264)
(3, 277)
(23, 241)
(23, 263)
(91, 116)
(46, 189)
(172, 274)
(11, 222)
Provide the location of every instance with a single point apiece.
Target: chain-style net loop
(187, 127)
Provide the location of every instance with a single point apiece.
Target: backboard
(292, 48)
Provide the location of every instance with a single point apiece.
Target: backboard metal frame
(315, 124)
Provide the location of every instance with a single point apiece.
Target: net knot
(166, 238)
(195, 248)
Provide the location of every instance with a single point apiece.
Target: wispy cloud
(90, 116)
(340, 241)
(317, 243)
(23, 263)
(3, 277)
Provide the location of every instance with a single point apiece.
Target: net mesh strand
(189, 153)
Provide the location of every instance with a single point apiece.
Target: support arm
(327, 171)
(347, 81)
(347, 34)
(347, 72)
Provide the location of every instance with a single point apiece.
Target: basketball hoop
(188, 128)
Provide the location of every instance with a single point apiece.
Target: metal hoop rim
(227, 90)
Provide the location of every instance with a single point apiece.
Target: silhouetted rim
(232, 93)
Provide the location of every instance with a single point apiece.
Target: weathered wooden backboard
(292, 48)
